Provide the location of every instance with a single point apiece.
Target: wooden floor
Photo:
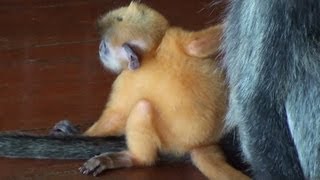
(49, 70)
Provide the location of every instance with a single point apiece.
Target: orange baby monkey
(170, 95)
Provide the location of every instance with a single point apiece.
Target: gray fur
(68, 147)
(15, 145)
(272, 57)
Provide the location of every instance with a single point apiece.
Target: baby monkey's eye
(119, 18)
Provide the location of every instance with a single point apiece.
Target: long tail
(16, 145)
(19, 145)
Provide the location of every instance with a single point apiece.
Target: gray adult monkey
(272, 57)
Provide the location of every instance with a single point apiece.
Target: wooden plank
(48, 169)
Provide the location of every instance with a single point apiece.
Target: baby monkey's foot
(102, 162)
(64, 128)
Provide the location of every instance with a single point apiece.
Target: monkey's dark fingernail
(86, 172)
(83, 170)
(80, 169)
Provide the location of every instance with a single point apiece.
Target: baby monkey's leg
(211, 162)
(110, 123)
(142, 141)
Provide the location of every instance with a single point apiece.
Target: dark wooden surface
(49, 71)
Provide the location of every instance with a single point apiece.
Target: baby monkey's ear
(131, 56)
(204, 43)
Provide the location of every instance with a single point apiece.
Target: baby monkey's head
(127, 34)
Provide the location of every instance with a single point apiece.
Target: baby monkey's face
(117, 49)
(128, 33)
(118, 58)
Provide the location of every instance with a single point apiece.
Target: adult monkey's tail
(19, 145)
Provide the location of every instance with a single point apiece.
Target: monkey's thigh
(303, 111)
(142, 139)
(265, 137)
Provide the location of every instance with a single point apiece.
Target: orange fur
(175, 102)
